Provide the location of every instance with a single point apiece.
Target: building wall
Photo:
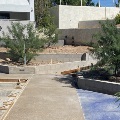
(19, 9)
(69, 16)
(32, 11)
(5, 23)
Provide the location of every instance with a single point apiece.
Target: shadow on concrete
(68, 80)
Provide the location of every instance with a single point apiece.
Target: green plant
(117, 19)
(45, 21)
(107, 47)
(22, 42)
(117, 97)
(74, 2)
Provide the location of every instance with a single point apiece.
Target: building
(14, 11)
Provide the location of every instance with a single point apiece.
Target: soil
(68, 49)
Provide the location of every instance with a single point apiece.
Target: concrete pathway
(47, 97)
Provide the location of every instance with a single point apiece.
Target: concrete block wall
(98, 85)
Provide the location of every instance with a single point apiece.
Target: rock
(8, 59)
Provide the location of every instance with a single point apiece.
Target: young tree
(107, 48)
(21, 42)
(117, 19)
(45, 21)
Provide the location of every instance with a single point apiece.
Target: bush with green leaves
(21, 40)
(117, 19)
(107, 47)
(45, 22)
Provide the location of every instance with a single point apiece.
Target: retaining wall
(58, 58)
(83, 60)
(98, 85)
(81, 36)
(45, 69)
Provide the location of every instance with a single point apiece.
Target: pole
(24, 54)
(105, 12)
(99, 3)
(60, 2)
(114, 3)
(81, 2)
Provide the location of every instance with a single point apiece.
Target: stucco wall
(69, 16)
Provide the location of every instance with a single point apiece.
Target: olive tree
(22, 41)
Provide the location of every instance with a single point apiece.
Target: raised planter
(98, 85)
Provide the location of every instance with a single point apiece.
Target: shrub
(22, 42)
(117, 19)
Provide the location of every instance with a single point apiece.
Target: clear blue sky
(107, 3)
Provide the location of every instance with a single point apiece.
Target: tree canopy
(22, 41)
(74, 2)
(45, 21)
(107, 48)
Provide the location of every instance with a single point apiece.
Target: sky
(106, 3)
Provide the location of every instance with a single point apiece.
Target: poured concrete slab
(47, 99)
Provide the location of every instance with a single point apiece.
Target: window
(4, 16)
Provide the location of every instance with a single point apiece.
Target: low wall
(45, 69)
(17, 69)
(89, 24)
(47, 58)
(98, 86)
